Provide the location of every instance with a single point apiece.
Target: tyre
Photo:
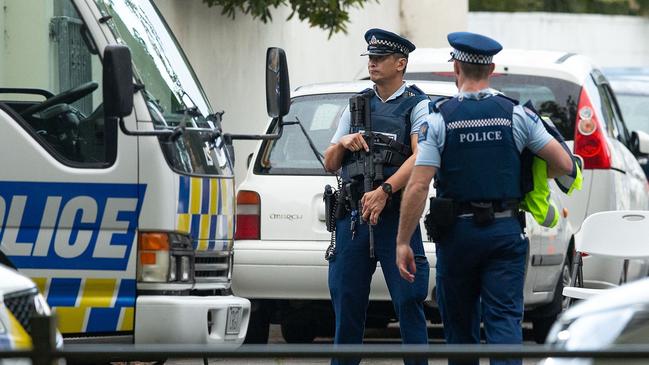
(259, 325)
(546, 315)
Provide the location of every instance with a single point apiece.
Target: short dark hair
(474, 71)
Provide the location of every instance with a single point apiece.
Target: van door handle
(321, 212)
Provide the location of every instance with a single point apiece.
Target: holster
(440, 218)
(483, 213)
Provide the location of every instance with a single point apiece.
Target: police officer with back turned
(472, 144)
(395, 112)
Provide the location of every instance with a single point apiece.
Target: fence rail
(44, 350)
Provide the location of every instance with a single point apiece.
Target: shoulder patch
(531, 114)
(423, 132)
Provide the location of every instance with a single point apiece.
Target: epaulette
(414, 90)
(435, 104)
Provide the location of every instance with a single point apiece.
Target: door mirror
(278, 91)
(639, 143)
(118, 81)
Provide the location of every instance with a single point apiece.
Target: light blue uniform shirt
(528, 132)
(417, 115)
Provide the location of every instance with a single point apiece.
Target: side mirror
(278, 91)
(117, 81)
(278, 95)
(639, 143)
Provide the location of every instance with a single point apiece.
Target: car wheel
(259, 325)
(546, 315)
(298, 331)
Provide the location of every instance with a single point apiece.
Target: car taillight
(590, 142)
(248, 212)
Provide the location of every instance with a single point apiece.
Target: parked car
(631, 86)
(574, 93)
(19, 301)
(619, 316)
(281, 236)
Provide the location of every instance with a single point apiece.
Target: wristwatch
(387, 188)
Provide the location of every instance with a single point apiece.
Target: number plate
(233, 323)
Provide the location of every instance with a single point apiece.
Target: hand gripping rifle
(359, 107)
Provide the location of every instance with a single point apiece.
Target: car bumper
(211, 320)
(296, 270)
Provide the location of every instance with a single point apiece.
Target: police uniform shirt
(417, 115)
(528, 131)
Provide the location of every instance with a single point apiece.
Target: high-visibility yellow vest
(539, 201)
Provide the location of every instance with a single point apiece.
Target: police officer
(397, 110)
(471, 144)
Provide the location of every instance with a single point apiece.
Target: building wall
(228, 55)
(609, 40)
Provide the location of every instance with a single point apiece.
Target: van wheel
(259, 325)
(298, 331)
(547, 314)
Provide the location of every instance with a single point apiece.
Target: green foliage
(613, 7)
(331, 15)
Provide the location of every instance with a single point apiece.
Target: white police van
(281, 236)
(118, 204)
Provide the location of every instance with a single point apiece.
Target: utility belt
(444, 213)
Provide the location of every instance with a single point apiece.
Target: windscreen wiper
(317, 153)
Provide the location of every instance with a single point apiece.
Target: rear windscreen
(291, 154)
(551, 97)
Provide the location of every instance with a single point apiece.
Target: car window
(291, 154)
(635, 110)
(617, 117)
(551, 97)
(609, 115)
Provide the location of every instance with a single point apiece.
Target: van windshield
(551, 97)
(173, 94)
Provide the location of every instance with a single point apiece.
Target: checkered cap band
(477, 123)
(382, 43)
(471, 57)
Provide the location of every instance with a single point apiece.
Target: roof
(563, 65)
(429, 87)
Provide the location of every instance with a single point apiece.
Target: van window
(291, 154)
(53, 58)
(551, 97)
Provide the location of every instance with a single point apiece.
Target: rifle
(359, 107)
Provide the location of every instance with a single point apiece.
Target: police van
(117, 191)
(281, 235)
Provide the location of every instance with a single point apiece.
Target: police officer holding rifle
(373, 146)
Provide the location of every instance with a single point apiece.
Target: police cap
(473, 48)
(381, 42)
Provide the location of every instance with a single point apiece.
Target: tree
(330, 15)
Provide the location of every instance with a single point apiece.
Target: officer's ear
(492, 67)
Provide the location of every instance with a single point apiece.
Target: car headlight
(40, 305)
(592, 330)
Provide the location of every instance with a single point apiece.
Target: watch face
(387, 188)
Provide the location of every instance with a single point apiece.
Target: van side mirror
(278, 95)
(117, 81)
(278, 91)
(639, 143)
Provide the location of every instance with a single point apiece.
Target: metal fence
(44, 350)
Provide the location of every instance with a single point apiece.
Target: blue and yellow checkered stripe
(90, 305)
(206, 210)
